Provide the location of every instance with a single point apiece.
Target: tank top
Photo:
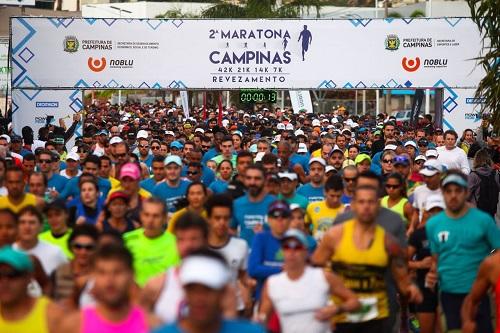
(35, 321)
(398, 208)
(29, 200)
(134, 323)
(296, 301)
(363, 272)
(170, 302)
(497, 300)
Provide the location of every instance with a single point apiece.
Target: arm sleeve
(71, 130)
(256, 268)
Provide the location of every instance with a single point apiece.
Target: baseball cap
(420, 158)
(103, 132)
(297, 235)
(362, 157)
(130, 170)
(390, 147)
(169, 133)
(6, 137)
(431, 153)
(288, 175)
(118, 195)
(299, 132)
(434, 201)
(401, 160)
(18, 260)
(58, 141)
(317, 159)
(329, 168)
(411, 143)
(176, 144)
(316, 123)
(454, 179)
(58, 204)
(173, 159)
(198, 269)
(362, 130)
(279, 208)
(142, 134)
(432, 167)
(114, 140)
(423, 142)
(73, 156)
(253, 148)
(377, 133)
(199, 130)
(302, 148)
(187, 125)
(289, 127)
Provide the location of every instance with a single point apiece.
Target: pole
(282, 99)
(430, 8)
(427, 101)
(356, 102)
(119, 97)
(228, 99)
(364, 102)
(204, 105)
(219, 121)
(377, 103)
(376, 8)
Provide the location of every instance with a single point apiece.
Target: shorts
(452, 305)
(429, 303)
(372, 326)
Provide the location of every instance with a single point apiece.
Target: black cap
(16, 138)
(57, 204)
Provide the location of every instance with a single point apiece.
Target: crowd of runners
(264, 220)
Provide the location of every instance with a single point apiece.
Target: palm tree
(485, 13)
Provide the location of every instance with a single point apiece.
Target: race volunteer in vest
(359, 251)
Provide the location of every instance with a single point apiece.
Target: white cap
(201, 130)
(411, 143)
(277, 138)
(225, 122)
(302, 148)
(288, 175)
(330, 126)
(246, 115)
(259, 156)
(299, 132)
(316, 122)
(73, 156)
(169, 133)
(329, 168)
(431, 153)
(317, 159)
(289, 127)
(420, 158)
(203, 270)
(335, 120)
(142, 134)
(114, 140)
(432, 167)
(390, 147)
(280, 126)
(434, 201)
(6, 137)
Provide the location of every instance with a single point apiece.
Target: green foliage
(395, 15)
(261, 9)
(417, 13)
(486, 14)
(176, 13)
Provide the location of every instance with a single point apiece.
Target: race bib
(368, 311)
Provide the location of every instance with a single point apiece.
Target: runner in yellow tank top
(19, 312)
(360, 252)
(17, 199)
(395, 199)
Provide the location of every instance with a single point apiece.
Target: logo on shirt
(443, 236)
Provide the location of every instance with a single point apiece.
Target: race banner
(185, 103)
(461, 109)
(4, 66)
(244, 54)
(301, 100)
(36, 108)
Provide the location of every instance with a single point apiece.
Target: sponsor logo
(447, 42)
(392, 42)
(47, 104)
(417, 42)
(410, 65)
(436, 63)
(101, 45)
(475, 100)
(96, 65)
(43, 120)
(71, 44)
(121, 63)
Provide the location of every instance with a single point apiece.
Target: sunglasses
(293, 246)
(121, 155)
(422, 145)
(419, 162)
(45, 161)
(11, 275)
(143, 146)
(79, 246)
(205, 147)
(81, 151)
(352, 179)
(155, 147)
(387, 161)
(192, 173)
(391, 187)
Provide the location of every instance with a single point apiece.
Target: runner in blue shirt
(313, 191)
(158, 169)
(173, 188)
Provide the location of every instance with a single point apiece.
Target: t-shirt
(296, 199)
(73, 190)
(461, 245)
(321, 217)
(219, 158)
(148, 184)
(171, 195)
(50, 256)
(455, 158)
(151, 255)
(60, 241)
(311, 193)
(418, 240)
(65, 175)
(207, 174)
(29, 200)
(235, 251)
(420, 196)
(247, 215)
(211, 153)
(218, 186)
(57, 182)
(227, 326)
(175, 217)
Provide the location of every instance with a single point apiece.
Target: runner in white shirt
(452, 156)
(72, 166)
(234, 250)
(301, 294)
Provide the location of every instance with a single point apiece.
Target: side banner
(185, 103)
(301, 99)
(244, 54)
(33, 107)
(4, 66)
(461, 110)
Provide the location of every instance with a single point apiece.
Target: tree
(261, 9)
(417, 13)
(486, 14)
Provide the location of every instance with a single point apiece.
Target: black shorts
(430, 301)
(452, 305)
(372, 326)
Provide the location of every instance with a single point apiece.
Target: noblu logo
(47, 104)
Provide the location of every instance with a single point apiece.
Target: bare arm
(350, 301)
(413, 221)
(326, 247)
(151, 291)
(408, 211)
(266, 306)
(69, 323)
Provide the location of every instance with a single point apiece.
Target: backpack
(488, 193)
